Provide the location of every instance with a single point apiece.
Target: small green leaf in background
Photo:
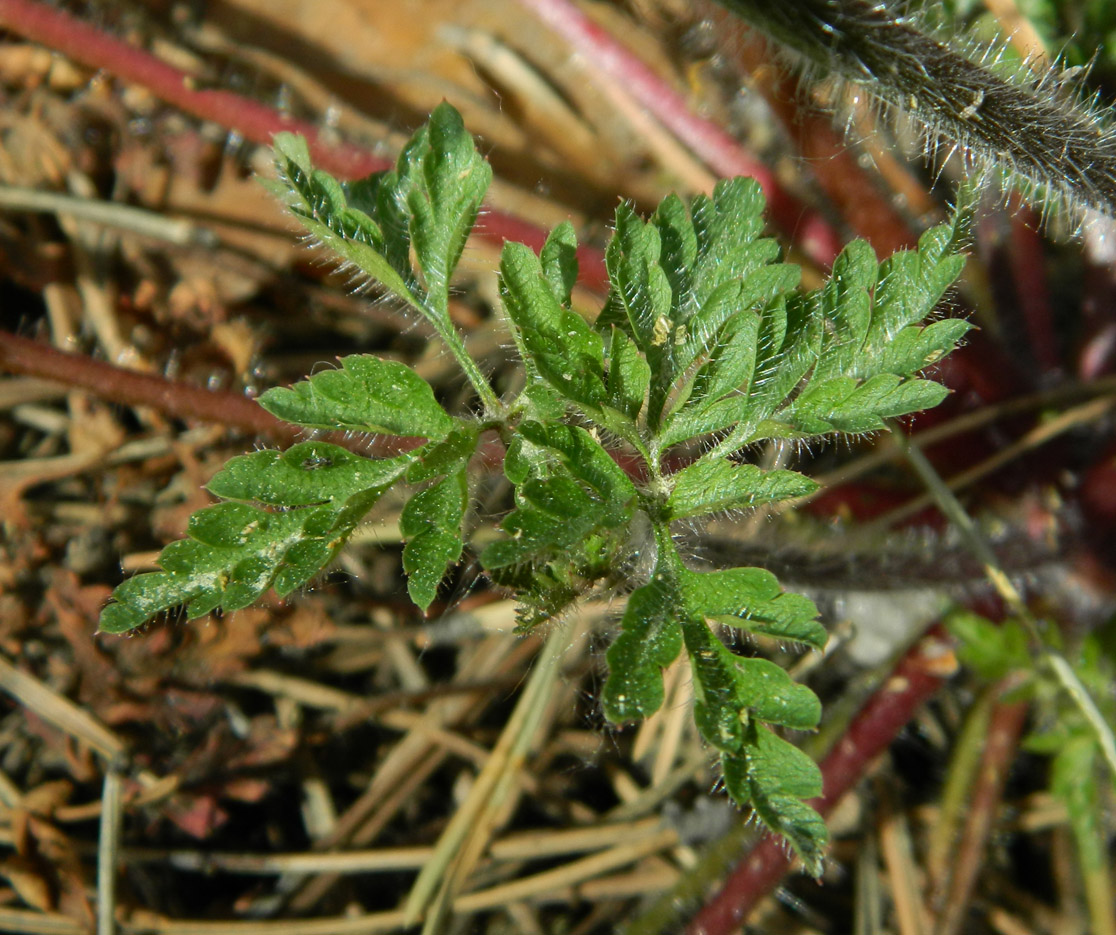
(991, 649)
(366, 395)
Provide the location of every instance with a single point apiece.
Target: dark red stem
(133, 388)
(915, 680)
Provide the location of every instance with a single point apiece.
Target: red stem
(133, 388)
(714, 146)
(172, 397)
(915, 680)
(254, 121)
(1032, 289)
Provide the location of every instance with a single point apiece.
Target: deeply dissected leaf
(367, 395)
(442, 179)
(550, 515)
(567, 352)
(305, 474)
(321, 205)
(708, 486)
(704, 339)
(447, 456)
(731, 690)
(629, 375)
(585, 458)
(431, 524)
(559, 261)
(775, 778)
(844, 404)
(236, 551)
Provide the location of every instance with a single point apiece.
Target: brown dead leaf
(267, 743)
(29, 878)
(44, 799)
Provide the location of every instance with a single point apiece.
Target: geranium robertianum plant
(705, 346)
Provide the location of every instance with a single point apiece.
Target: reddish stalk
(254, 121)
(723, 154)
(171, 397)
(915, 680)
(133, 388)
(1027, 255)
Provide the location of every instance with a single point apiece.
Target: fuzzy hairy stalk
(1032, 125)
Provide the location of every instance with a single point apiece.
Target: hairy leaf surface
(366, 395)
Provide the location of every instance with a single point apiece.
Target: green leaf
(431, 524)
(442, 179)
(559, 261)
(775, 777)
(366, 395)
(845, 404)
(727, 227)
(677, 244)
(235, 551)
(642, 291)
(708, 486)
(320, 204)
(846, 302)
(629, 375)
(994, 650)
(730, 691)
(1074, 782)
(752, 599)
(567, 352)
(584, 457)
(447, 456)
(551, 515)
(306, 474)
(650, 641)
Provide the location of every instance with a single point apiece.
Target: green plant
(1076, 711)
(705, 345)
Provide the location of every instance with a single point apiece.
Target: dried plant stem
(132, 388)
(1000, 748)
(468, 832)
